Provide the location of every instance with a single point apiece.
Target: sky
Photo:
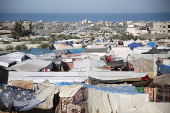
(84, 6)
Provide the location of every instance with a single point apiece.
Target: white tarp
(16, 56)
(150, 107)
(6, 62)
(108, 102)
(31, 65)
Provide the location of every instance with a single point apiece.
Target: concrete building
(136, 32)
(161, 28)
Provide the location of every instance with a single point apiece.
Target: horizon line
(85, 13)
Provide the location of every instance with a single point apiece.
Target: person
(132, 69)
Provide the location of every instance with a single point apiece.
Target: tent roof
(134, 45)
(154, 50)
(151, 44)
(96, 50)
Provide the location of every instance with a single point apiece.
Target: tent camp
(151, 44)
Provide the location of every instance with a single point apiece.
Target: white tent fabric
(16, 56)
(6, 62)
(107, 102)
(113, 75)
(31, 65)
(150, 107)
(88, 64)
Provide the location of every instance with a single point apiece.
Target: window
(163, 31)
(160, 26)
(168, 26)
(164, 27)
(168, 31)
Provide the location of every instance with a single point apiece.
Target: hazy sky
(84, 6)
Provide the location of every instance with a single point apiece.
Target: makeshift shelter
(104, 99)
(133, 45)
(32, 66)
(35, 51)
(155, 51)
(74, 51)
(151, 44)
(15, 56)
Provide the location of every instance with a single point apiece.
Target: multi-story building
(136, 32)
(161, 28)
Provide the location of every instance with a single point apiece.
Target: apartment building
(161, 28)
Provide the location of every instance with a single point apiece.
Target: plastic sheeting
(133, 45)
(32, 65)
(35, 51)
(74, 51)
(16, 56)
(164, 69)
(6, 62)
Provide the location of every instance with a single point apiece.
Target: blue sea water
(77, 17)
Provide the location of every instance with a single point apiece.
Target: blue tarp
(97, 40)
(151, 44)
(117, 89)
(35, 51)
(74, 51)
(57, 42)
(164, 69)
(133, 45)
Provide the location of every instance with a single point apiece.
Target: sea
(78, 17)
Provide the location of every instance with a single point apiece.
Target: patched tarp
(155, 51)
(35, 51)
(74, 51)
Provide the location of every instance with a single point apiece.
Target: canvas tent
(6, 62)
(74, 51)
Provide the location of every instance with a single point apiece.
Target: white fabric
(150, 107)
(105, 102)
(6, 62)
(16, 56)
(30, 65)
(68, 90)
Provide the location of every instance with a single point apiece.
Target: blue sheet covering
(35, 51)
(116, 89)
(133, 45)
(164, 69)
(74, 51)
(151, 44)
